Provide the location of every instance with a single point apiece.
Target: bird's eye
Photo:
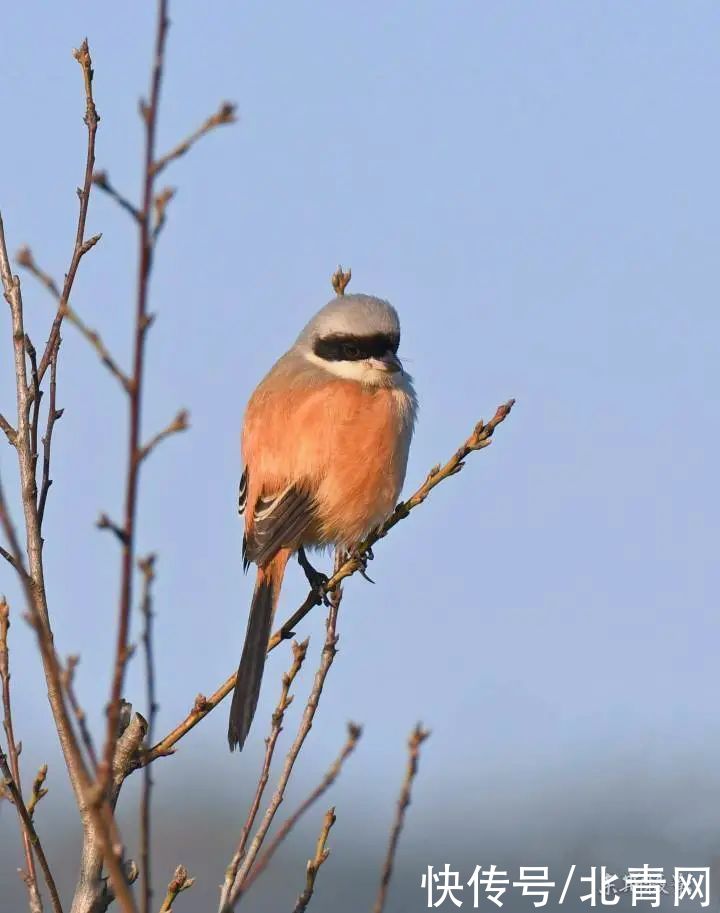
(350, 351)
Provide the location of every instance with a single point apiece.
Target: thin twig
(101, 179)
(30, 879)
(95, 340)
(478, 440)
(80, 715)
(313, 866)
(147, 567)
(25, 258)
(180, 882)
(179, 423)
(299, 652)
(81, 247)
(38, 789)
(354, 733)
(224, 115)
(328, 655)
(150, 116)
(53, 415)
(417, 737)
(160, 205)
(31, 832)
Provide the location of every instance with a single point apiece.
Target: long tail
(252, 661)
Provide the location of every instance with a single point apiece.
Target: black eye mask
(346, 347)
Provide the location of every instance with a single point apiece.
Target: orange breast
(346, 443)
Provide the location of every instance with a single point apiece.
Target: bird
(325, 442)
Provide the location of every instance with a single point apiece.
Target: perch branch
(478, 440)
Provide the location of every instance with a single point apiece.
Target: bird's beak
(389, 362)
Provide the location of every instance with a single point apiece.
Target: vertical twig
(417, 737)
(299, 652)
(149, 112)
(147, 566)
(354, 733)
(81, 246)
(35, 901)
(313, 866)
(29, 828)
(328, 655)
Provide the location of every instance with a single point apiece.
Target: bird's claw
(317, 580)
(362, 559)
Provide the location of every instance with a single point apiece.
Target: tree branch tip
(340, 280)
(24, 257)
(104, 522)
(418, 735)
(82, 54)
(90, 243)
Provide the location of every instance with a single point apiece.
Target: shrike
(325, 444)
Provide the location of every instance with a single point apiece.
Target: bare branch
(97, 820)
(417, 737)
(224, 115)
(147, 567)
(101, 179)
(53, 415)
(68, 680)
(150, 115)
(479, 439)
(31, 834)
(326, 661)
(30, 879)
(104, 522)
(24, 257)
(81, 247)
(354, 733)
(340, 280)
(38, 789)
(8, 429)
(160, 205)
(179, 423)
(299, 652)
(321, 854)
(95, 340)
(180, 882)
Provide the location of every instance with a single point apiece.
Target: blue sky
(534, 187)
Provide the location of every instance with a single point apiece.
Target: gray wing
(279, 520)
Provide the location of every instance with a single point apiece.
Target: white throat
(369, 371)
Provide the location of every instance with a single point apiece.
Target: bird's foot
(362, 559)
(317, 580)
